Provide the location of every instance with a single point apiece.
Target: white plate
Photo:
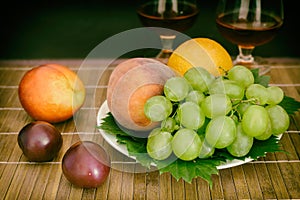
(111, 139)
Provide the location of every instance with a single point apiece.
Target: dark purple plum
(40, 141)
(86, 164)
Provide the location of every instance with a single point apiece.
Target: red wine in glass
(248, 34)
(178, 15)
(181, 20)
(248, 24)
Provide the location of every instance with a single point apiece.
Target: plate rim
(111, 139)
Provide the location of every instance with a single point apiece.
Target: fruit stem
(234, 108)
(251, 100)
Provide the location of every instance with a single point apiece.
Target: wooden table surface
(277, 176)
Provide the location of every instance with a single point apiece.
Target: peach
(130, 85)
(51, 93)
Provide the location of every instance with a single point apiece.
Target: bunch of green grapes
(200, 113)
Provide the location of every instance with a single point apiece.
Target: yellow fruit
(200, 52)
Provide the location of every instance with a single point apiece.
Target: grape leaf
(262, 80)
(137, 149)
(290, 105)
(135, 146)
(188, 170)
(109, 126)
(259, 149)
(262, 147)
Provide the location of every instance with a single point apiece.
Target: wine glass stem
(167, 48)
(167, 43)
(245, 55)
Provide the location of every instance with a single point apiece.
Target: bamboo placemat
(277, 176)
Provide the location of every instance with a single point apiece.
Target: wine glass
(172, 15)
(248, 24)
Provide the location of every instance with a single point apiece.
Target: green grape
(206, 150)
(186, 144)
(201, 131)
(242, 143)
(199, 78)
(159, 144)
(190, 115)
(216, 105)
(255, 120)
(235, 119)
(242, 75)
(242, 107)
(169, 125)
(176, 88)
(257, 92)
(267, 134)
(275, 95)
(231, 88)
(158, 108)
(176, 118)
(195, 96)
(280, 120)
(220, 132)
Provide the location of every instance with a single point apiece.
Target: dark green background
(71, 29)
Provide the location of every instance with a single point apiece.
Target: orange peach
(130, 85)
(51, 93)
